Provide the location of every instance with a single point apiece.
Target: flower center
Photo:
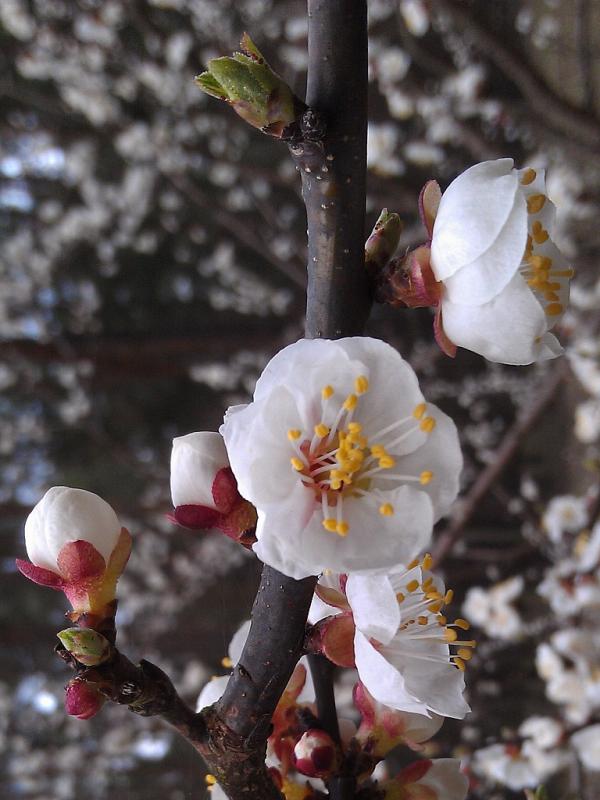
(338, 461)
(421, 607)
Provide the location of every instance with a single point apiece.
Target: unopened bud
(315, 754)
(252, 88)
(383, 241)
(82, 700)
(85, 645)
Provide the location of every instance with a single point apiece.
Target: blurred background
(152, 260)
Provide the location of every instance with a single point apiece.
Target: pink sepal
(195, 517)
(79, 562)
(444, 343)
(333, 637)
(44, 577)
(82, 700)
(429, 202)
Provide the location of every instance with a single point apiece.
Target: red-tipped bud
(315, 754)
(82, 700)
(333, 637)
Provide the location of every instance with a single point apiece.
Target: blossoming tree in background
(335, 474)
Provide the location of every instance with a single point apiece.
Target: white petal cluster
(66, 515)
(346, 463)
(564, 514)
(505, 284)
(195, 460)
(587, 746)
(491, 609)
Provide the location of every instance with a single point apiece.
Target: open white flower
(491, 608)
(407, 654)
(505, 284)
(346, 463)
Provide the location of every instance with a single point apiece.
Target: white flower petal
(236, 645)
(478, 203)
(504, 330)
(67, 515)
(212, 692)
(483, 278)
(446, 780)
(381, 679)
(374, 606)
(195, 461)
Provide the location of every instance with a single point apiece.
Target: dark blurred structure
(152, 261)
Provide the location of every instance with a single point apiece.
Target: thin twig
(504, 454)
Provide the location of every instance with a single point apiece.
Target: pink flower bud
(315, 754)
(82, 700)
(75, 543)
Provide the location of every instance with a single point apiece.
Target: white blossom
(587, 745)
(505, 284)
(346, 464)
(564, 514)
(491, 609)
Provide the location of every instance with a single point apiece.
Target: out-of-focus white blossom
(587, 745)
(491, 609)
(564, 514)
(416, 16)
(587, 421)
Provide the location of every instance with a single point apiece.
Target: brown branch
(508, 448)
(552, 111)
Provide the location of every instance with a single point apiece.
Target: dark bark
(322, 671)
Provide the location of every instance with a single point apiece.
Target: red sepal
(444, 343)
(414, 772)
(79, 561)
(194, 517)
(44, 577)
(224, 490)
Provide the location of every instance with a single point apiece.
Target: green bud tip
(85, 645)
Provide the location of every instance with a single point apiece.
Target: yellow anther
(468, 643)
(210, 779)
(414, 563)
(465, 654)
(321, 430)
(441, 620)
(378, 450)
(350, 402)
(462, 624)
(551, 297)
(426, 585)
(326, 392)
(419, 410)
(424, 478)
(330, 524)
(387, 462)
(427, 561)
(342, 528)
(412, 586)
(355, 427)
(554, 309)
(448, 597)
(435, 606)
(539, 233)
(528, 246)
(459, 663)
(564, 273)
(528, 176)
(540, 263)
(400, 597)
(297, 463)
(361, 384)
(294, 434)
(386, 510)
(422, 620)
(226, 662)
(450, 635)
(427, 424)
(535, 203)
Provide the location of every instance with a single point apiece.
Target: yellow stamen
(465, 654)
(387, 462)
(425, 477)
(361, 384)
(386, 510)
(442, 620)
(450, 635)
(459, 663)
(540, 234)
(448, 597)
(419, 410)
(297, 463)
(378, 450)
(226, 662)
(535, 203)
(554, 309)
(294, 434)
(435, 606)
(355, 427)
(426, 585)
(427, 424)
(326, 392)
(528, 176)
(462, 624)
(400, 597)
(342, 528)
(412, 586)
(321, 430)
(210, 779)
(422, 620)
(414, 563)
(330, 524)
(427, 561)
(350, 402)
